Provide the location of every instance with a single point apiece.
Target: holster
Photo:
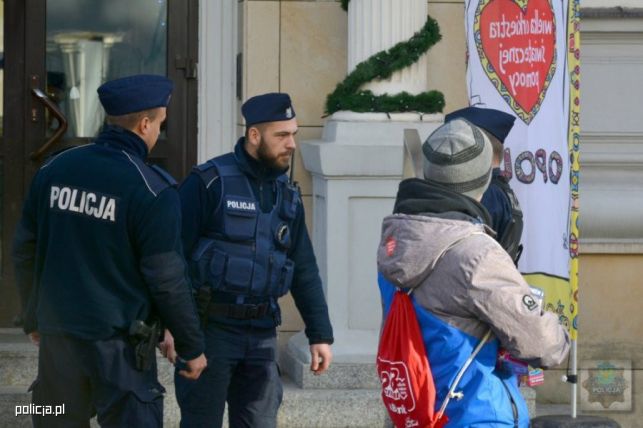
(144, 338)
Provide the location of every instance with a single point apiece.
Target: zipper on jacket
(514, 408)
(271, 261)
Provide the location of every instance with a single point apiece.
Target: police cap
(135, 93)
(272, 107)
(496, 122)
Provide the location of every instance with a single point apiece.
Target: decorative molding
(610, 150)
(610, 37)
(218, 29)
(610, 12)
(590, 59)
(611, 246)
(611, 25)
(611, 195)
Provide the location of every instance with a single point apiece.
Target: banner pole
(574, 373)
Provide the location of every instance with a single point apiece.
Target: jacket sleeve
(163, 268)
(196, 203)
(501, 298)
(307, 288)
(24, 259)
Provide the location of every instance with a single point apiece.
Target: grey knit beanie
(457, 156)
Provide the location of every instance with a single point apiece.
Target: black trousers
(241, 371)
(95, 377)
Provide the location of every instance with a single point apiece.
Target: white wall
(218, 45)
(611, 134)
(611, 3)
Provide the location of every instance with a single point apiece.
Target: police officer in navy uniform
(98, 252)
(499, 199)
(244, 229)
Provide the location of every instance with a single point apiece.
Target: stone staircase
(310, 407)
(18, 368)
(347, 396)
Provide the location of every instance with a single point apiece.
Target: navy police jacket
(506, 214)
(99, 246)
(202, 199)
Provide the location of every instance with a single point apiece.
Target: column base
(353, 365)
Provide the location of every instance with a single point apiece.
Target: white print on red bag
(394, 376)
(411, 423)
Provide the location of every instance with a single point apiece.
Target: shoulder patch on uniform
(204, 166)
(164, 174)
(207, 172)
(55, 155)
(156, 179)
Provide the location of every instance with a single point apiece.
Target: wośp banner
(523, 58)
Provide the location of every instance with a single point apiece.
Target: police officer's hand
(34, 336)
(321, 356)
(194, 367)
(167, 347)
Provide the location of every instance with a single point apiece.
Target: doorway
(56, 54)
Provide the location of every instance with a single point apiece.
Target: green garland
(382, 65)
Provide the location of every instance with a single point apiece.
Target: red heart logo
(516, 41)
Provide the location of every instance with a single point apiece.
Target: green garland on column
(382, 65)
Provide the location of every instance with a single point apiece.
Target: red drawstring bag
(408, 390)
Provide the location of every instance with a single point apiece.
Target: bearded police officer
(499, 199)
(243, 226)
(98, 253)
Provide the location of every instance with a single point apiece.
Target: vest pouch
(218, 263)
(200, 260)
(290, 200)
(276, 262)
(238, 274)
(240, 219)
(287, 272)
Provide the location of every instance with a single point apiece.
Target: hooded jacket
(464, 284)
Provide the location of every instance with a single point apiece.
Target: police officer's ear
(146, 120)
(253, 136)
(144, 125)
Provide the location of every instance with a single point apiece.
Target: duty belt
(239, 312)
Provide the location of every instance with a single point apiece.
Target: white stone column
(356, 167)
(378, 25)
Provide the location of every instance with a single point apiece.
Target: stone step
(330, 408)
(18, 358)
(340, 375)
(347, 397)
(10, 416)
(300, 408)
(10, 397)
